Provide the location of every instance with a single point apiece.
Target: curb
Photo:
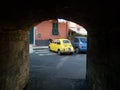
(40, 47)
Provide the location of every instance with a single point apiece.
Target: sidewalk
(40, 47)
(32, 48)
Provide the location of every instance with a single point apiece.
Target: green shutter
(55, 29)
(31, 35)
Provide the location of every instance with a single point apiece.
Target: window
(75, 40)
(66, 41)
(84, 40)
(55, 29)
(58, 42)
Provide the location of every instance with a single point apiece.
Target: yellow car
(61, 46)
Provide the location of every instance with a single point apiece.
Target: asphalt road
(49, 71)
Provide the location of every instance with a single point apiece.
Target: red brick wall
(43, 31)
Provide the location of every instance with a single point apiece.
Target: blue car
(80, 44)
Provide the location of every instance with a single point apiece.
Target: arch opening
(61, 70)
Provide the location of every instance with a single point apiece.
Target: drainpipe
(34, 35)
(66, 29)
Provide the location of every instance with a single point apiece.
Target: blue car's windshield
(84, 40)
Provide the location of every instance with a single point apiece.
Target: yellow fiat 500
(61, 46)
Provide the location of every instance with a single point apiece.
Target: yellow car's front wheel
(58, 52)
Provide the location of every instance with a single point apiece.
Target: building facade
(52, 29)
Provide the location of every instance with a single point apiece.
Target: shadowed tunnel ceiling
(27, 13)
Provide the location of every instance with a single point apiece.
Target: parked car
(61, 46)
(80, 44)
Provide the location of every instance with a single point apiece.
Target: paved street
(49, 71)
(43, 52)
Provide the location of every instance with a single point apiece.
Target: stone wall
(14, 59)
(103, 60)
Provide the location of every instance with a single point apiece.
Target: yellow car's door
(56, 46)
(51, 46)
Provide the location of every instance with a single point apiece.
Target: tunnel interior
(101, 19)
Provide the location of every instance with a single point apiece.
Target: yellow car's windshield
(66, 42)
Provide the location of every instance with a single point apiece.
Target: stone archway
(99, 18)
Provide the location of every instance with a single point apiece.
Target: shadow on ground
(56, 84)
